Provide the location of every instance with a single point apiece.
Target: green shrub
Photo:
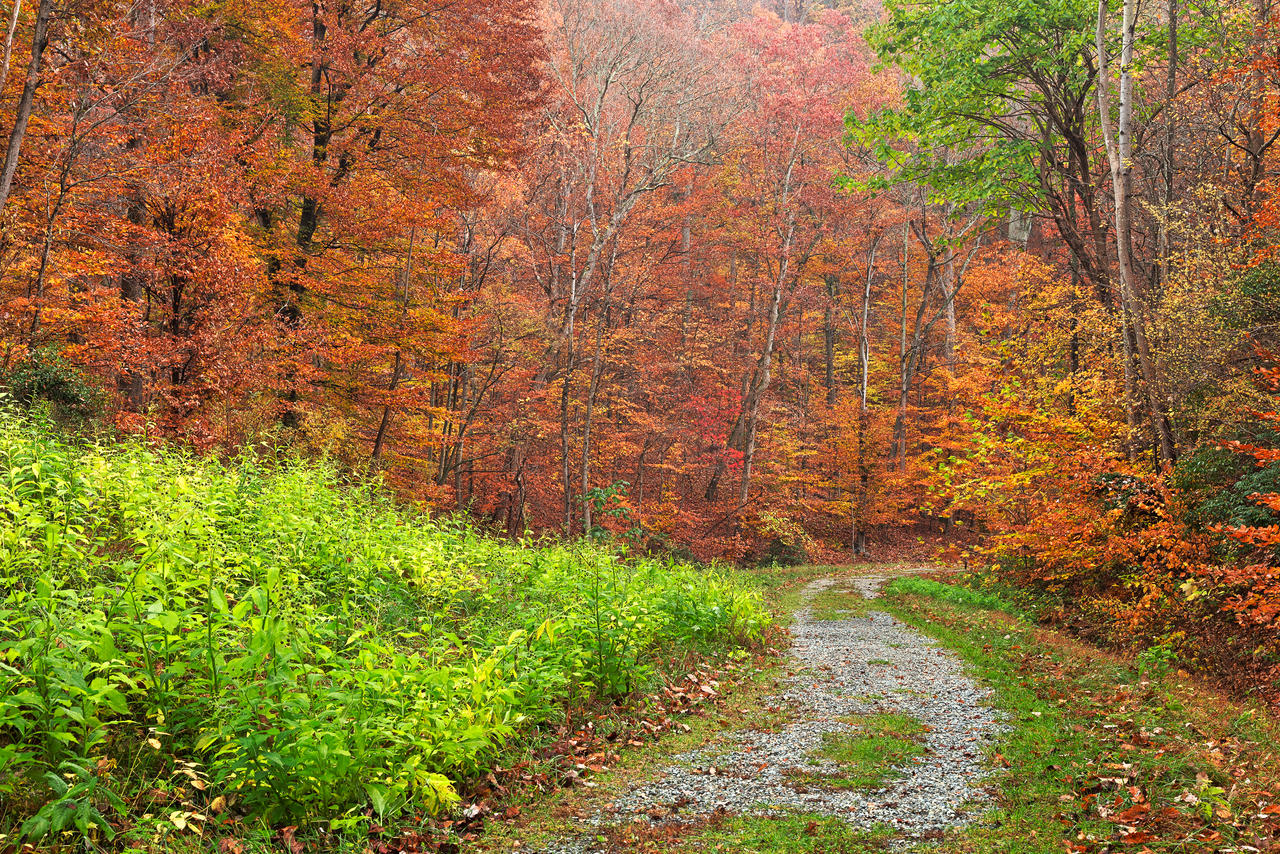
(1253, 299)
(301, 647)
(913, 586)
(44, 377)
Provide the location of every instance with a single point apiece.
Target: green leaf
(377, 797)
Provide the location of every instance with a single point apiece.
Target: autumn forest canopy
(749, 282)
(388, 389)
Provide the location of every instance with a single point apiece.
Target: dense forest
(994, 281)
(762, 280)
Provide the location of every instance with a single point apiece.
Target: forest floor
(932, 718)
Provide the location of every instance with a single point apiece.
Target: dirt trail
(847, 666)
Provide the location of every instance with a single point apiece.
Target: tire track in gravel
(845, 668)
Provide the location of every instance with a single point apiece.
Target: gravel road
(845, 667)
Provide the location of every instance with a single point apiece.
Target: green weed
(295, 645)
(912, 585)
(787, 834)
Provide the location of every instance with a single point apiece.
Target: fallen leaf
(289, 836)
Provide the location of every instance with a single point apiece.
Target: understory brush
(185, 640)
(1185, 563)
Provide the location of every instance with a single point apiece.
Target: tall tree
(1119, 146)
(634, 100)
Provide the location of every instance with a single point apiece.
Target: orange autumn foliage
(507, 256)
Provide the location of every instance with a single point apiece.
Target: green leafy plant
(295, 643)
(78, 798)
(1156, 661)
(45, 377)
(609, 502)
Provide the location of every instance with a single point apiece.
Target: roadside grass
(950, 593)
(1097, 756)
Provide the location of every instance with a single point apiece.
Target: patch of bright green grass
(915, 586)
(838, 603)
(786, 834)
(869, 756)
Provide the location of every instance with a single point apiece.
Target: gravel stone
(836, 678)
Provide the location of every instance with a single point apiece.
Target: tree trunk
(640, 479)
(900, 422)
(912, 354)
(764, 366)
(39, 41)
(403, 293)
(8, 44)
(1120, 157)
(566, 483)
(686, 271)
(1170, 92)
(829, 338)
(593, 388)
(1073, 345)
(386, 418)
(1129, 391)
(858, 508)
(763, 375)
(54, 211)
(949, 282)
(734, 438)
(515, 507)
